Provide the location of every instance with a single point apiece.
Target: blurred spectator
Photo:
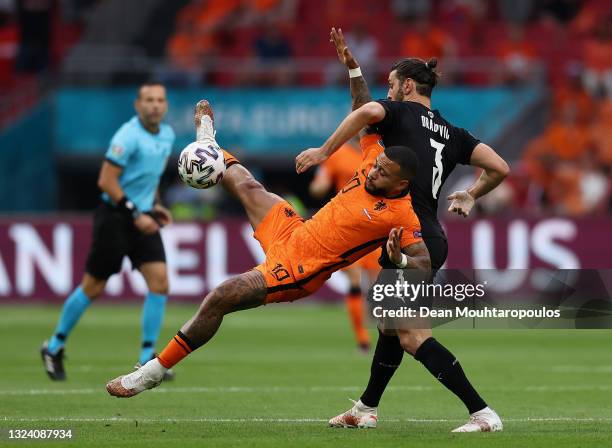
(424, 40)
(568, 164)
(364, 47)
(272, 52)
(365, 50)
(589, 14)
(515, 11)
(598, 58)
(567, 137)
(570, 93)
(75, 10)
(198, 22)
(35, 30)
(411, 9)
(272, 45)
(562, 11)
(279, 12)
(187, 51)
(601, 133)
(517, 54)
(205, 29)
(9, 40)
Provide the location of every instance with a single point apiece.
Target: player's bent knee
(92, 287)
(245, 291)
(159, 285)
(411, 340)
(213, 303)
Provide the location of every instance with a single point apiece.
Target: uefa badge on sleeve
(117, 150)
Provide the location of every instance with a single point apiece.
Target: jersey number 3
(436, 179)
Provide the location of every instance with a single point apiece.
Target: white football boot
(485, 420)
(147, 377)
(359, 416)
(204, 119)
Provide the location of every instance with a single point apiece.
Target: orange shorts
(273, 234)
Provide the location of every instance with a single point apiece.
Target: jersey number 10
(436, 179)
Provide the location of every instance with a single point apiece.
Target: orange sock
(354, 305)
(175, 351)
(229, 159)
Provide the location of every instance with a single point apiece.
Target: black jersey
(439, 146)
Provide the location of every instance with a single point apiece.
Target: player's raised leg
(238, 181)
(52, 350)
(245, 291)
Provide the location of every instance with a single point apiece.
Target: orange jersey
(341, 166)
(351, 225)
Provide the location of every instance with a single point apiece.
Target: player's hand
(309, 158)
(394, 249)
(146, 224)
(462, 203)
(344, 54)
(162, 215)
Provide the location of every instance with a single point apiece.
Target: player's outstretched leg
(445, 367)
(245, 291)
(237, 180)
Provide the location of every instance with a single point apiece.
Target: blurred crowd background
(551, 60)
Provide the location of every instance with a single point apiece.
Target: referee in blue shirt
(126, 223)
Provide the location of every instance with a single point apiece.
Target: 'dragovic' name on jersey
(435, 127)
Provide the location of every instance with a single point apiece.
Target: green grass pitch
(273, 376)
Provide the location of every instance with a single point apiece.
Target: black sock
(443, 365)
(387, 358)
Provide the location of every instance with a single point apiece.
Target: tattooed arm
(359, 87)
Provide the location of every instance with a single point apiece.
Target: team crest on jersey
(380, 205)
(117, 150)
(417, 234)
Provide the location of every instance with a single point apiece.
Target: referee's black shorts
(115, 236)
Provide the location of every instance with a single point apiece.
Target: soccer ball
(201, 165)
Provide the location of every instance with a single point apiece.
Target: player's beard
(374, 191)
(399, 96)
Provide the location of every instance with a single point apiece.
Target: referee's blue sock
(74, 306)
(152, 318)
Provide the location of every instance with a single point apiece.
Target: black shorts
(438, 251)
(115, 236)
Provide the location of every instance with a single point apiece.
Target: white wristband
(402, 264)
(355, 72)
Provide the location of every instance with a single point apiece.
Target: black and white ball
(201, 165)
